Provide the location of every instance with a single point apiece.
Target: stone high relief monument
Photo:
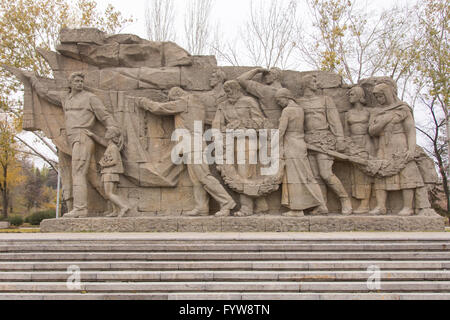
(151, 138)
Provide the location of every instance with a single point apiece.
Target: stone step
(154, 276)
(226, 296)
(56, 247)
(200, 240)
(220, 287)
(222, 265)
(226, 256)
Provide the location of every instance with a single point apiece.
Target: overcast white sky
(230, 13)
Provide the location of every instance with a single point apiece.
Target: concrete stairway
(225, 267)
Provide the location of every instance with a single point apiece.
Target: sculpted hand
(340, 146)
(88, 133)
(410, 155)
(261, 70)
(28, 74)
(234, 124)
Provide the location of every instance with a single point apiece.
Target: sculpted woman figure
(394, 124)
(300, 190)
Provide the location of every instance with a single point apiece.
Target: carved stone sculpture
(393, 123)
(357, 127)
(323, 128)
(81, 110)
(117, 103)
(187, 109)
(241, 112)
(300, 190)
(112, 167)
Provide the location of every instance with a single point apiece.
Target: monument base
(264, 223)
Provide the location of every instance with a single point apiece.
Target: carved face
(353, 96)
(77, 84)
(214, 80)
(116, 140)
(311, 83)
(380, 98)
(232, 91)
(269, 78)
(282, 101)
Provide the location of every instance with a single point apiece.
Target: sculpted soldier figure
(323, 128)
(357, 127)
(241, 112)
(394, 125)
(300, 190)
(187, 108)
(81, 110)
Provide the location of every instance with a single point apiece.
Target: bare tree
(270, 33)
(160, 20)
(226, 51)
(356, 43)
(197, 26)
(431, 65)
(434, 130)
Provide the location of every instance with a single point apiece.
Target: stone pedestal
(330, 223)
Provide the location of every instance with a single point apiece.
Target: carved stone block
(141, 55)
(196, 76)
(86, 35)
(101, 56)
(174, 55)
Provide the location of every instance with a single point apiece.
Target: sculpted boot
(320, 210)
(346, 205)
(76, 213)
(195, 212)
(225, 211)
(378, 211)
(406, 212)
(294, 214)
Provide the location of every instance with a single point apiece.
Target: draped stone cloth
(300, 190)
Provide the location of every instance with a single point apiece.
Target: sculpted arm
(377, 123)
(347, 131)
(255, 113)
(335, 123)
(167, 108)
(219, 121)
(284, 121)
(97, 138)
(43, 91)
(410, 130)
(247, 76)
(102, 113)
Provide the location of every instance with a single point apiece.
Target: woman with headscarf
(300, 190)
(394, 124)
(356, 126)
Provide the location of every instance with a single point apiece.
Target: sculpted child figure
(112, 167)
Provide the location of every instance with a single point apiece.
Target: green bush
(15, 220)
(36, 217)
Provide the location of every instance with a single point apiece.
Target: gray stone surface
(246, 224)
(4, 224)
(339, 124)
